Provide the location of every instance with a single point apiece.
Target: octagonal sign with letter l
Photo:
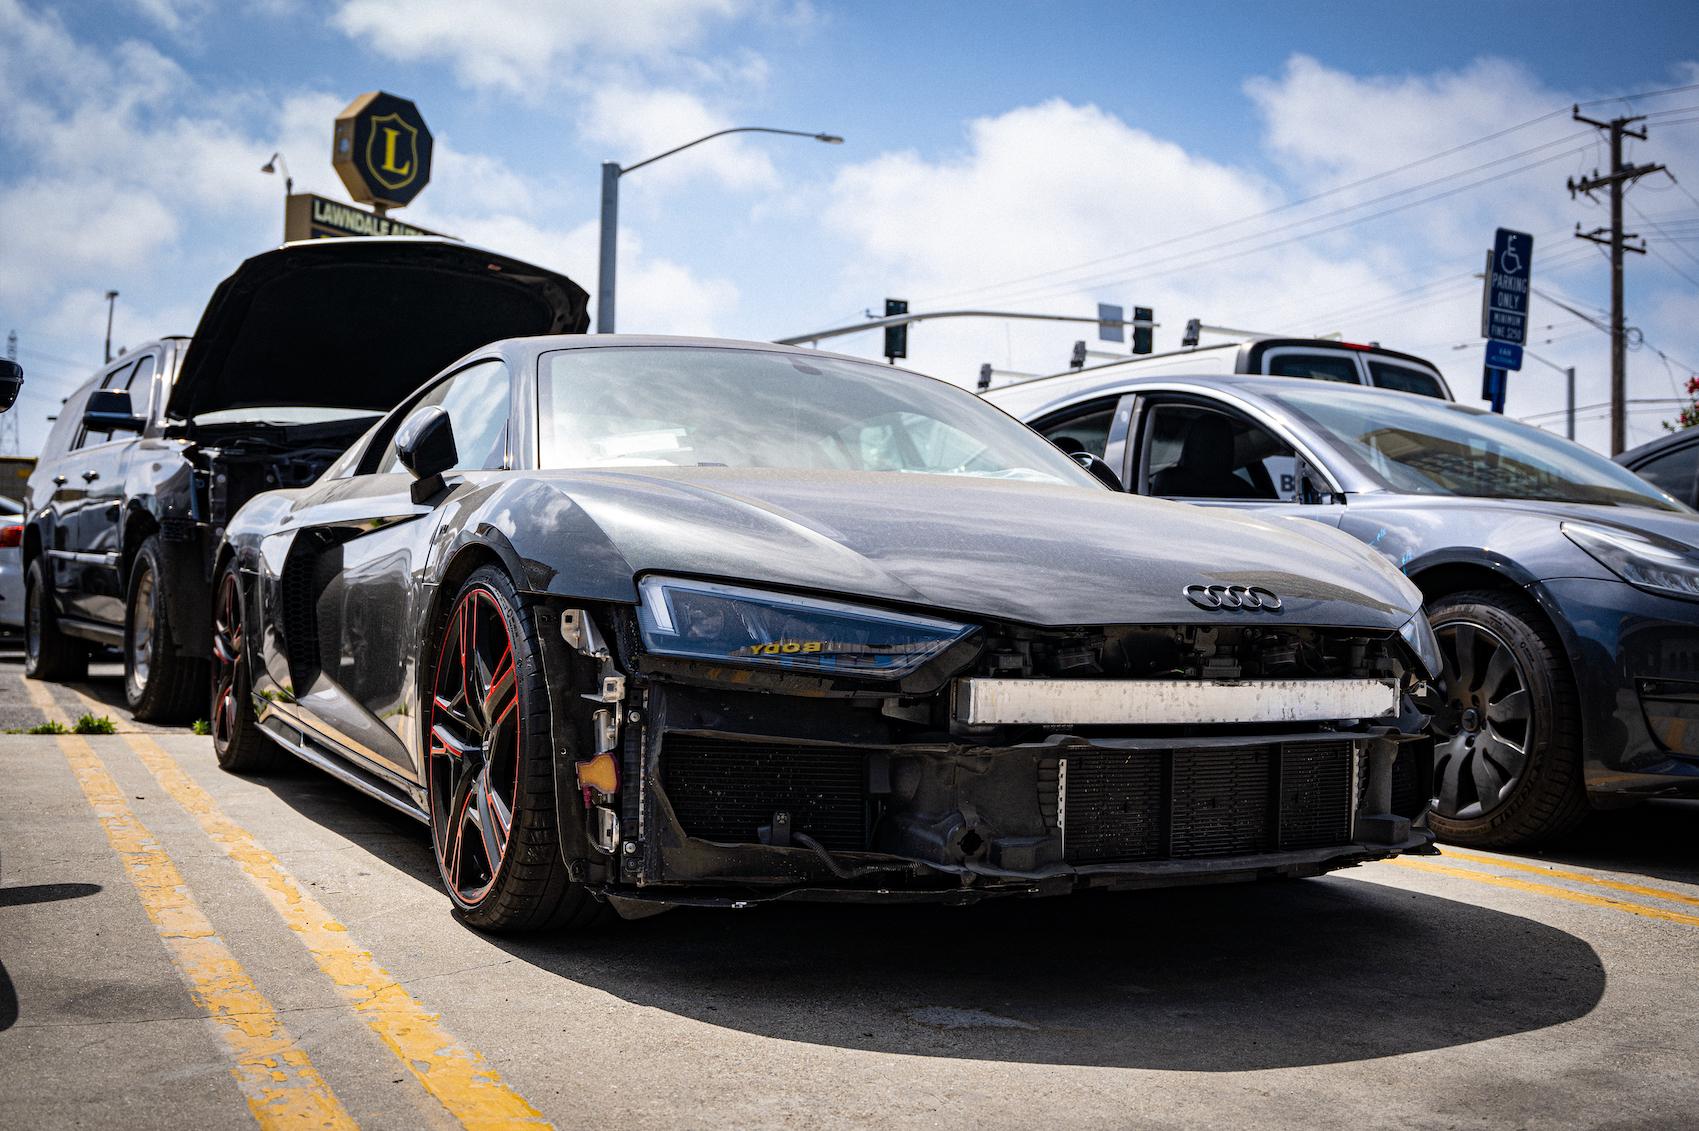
(382, 149)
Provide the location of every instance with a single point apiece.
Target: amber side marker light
(600, 773)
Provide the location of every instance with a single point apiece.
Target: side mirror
(425, 446)
(109, 410)
(1100, 470)
(11, 383)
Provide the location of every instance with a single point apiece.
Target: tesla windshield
(682, 406)
(1426, 447)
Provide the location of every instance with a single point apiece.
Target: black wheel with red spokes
(236, 737)
(474, 747)
(489, 772)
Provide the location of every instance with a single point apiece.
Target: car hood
(1682, 525)
(360, 323)
(1027, 552)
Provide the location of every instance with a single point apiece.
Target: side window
(1194, 452)
(476, 400)
(1404, 379)
(140, 385)
(68, 425)
(1673, 471)
(1320, 366)
(116, 379)
(1081, 428)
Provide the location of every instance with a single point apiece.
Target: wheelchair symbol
(1510, 262)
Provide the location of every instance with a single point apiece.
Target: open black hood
(360, 323)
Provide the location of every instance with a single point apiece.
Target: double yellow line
(274, 1073)
(1554, 891)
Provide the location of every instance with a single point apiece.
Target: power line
(1170, 241)
(1188, 263)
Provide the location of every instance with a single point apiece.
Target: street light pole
(1569, 379)
(612, 171)
(111, 301)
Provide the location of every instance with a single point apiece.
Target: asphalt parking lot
(185, 948)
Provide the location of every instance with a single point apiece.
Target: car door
(349, 583)
(50, 498)
(97, 526)
(1195, 448)
(87, 562)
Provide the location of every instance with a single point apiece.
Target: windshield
(1426, 447)
(684, 406)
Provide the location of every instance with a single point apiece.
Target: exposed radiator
(1186, 804)
(725, 790)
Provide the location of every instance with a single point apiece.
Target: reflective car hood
(1033, 553)
(1683, 526)
(360, 323)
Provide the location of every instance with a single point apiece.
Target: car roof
(1031, 398)
(1633, 457)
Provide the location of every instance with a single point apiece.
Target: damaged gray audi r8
(644, 622)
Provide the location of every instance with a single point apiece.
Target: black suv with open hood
(297, 354)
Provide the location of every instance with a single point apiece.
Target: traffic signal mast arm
(817, 336)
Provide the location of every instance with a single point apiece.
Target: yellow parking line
(277, 1078)
(1548, 889)
(1569, 874)
(458, 1077)
(42, 699)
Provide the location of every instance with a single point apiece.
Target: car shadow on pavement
(1655, 839)
(1208, 979)
(1227, 978)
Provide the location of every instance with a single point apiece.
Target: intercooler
(1191, 803)
(1108, 806)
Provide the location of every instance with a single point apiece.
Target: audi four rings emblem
(1231, 597)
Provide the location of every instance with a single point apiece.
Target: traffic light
(896, 337)
(1078, 360)
(1141, 334)
(1194, 331)
(984, 376)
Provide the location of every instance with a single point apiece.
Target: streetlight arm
(830, 139)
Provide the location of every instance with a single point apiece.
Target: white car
(11, 566)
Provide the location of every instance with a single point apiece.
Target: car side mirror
(1100, 470)
(11, 383)
(110, 410)
(425, 446)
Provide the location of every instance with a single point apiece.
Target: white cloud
(638, 124)
(1047, 206)
(521, 46)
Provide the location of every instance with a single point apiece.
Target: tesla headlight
(1419, 635)
(1647, 561)
(708, 621)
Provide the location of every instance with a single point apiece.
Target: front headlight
(1647, 561)
(1419, 635)
(708, 621)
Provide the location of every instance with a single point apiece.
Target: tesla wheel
(160, 685)
(490, 770)
(236, 737)
(48, 653)
(1510, 775)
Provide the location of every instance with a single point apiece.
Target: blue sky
(1036, 146)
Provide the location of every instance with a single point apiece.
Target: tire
(160, 685)
(1511, 775)
(489, 758)
(238, 742)
(48, 653)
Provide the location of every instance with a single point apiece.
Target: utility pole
(1616, 181)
